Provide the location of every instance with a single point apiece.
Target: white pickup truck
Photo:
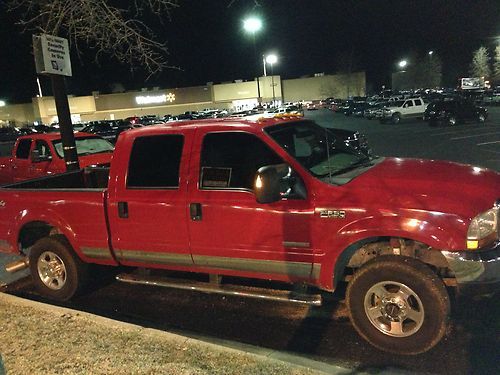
(400, 109)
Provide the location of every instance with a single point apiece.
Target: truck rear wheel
(398, 305)
(396, 118)
(57, 272)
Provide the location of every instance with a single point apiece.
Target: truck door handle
(195, 211)
(123, 210)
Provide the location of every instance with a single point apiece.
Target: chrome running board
(232, 290)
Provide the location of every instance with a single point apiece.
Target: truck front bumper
(476, 272)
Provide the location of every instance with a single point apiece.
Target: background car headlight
(483, 229)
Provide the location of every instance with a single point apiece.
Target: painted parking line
(464, 130)
(475, 135)
(487, 143)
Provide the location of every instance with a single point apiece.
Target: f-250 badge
(332, 214)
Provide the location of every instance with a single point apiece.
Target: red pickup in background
(38, 155)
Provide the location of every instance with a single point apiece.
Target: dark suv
(451, 112)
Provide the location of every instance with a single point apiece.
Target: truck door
(229, 230)
(22, 162)
(147, 201)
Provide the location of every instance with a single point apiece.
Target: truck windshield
(317, 149)
(86, 146)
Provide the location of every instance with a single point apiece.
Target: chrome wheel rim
(51, 270)
(481, 118)
(394, 309)
(452, 121)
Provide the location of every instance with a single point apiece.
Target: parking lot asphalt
(470, 143)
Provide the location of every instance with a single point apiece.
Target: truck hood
(438, 186)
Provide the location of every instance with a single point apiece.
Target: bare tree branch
(105, 28)
(256, 3)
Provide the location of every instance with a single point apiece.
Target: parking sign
(52, 55)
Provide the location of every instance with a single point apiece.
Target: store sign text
(155, 99)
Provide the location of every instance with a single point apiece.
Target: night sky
(206, 40)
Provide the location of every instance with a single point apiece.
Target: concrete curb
(223, 345)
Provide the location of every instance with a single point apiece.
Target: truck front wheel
(398, 304)
(57, 272)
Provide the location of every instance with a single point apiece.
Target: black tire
(394, 275)
(57, 272)
(396, 118)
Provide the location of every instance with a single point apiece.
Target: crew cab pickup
(37, 155)
(397, 110)
(270, 199)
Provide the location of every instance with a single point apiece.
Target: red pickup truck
(38, 155)
(268, 199)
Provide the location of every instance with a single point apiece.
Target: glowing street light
(403, 63)
(271, 59)
(430, 53)
(2, 103)
(252, 25)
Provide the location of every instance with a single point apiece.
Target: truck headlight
(483, 229)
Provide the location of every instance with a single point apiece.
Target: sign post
(52, 58)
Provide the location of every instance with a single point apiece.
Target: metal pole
(39, 87)
(272, 83)
(264, 64)
(65, 125)
(259, 99)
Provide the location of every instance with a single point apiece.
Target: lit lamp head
(2, 103)
(252, 24)
(403, 64)
(271, 59)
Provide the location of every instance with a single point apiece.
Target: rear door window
(23, 149)
(155, 162)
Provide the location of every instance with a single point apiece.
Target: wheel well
(361, 252)
(33, 231)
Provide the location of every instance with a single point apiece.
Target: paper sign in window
(215, 177)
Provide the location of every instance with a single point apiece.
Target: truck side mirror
(267, 184)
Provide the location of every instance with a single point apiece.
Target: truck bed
(87, 178)
(72, 202)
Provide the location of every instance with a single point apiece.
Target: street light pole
(252, 25)
(271, 60)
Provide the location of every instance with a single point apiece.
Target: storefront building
(235, 96)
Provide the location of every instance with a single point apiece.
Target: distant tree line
(485, 66)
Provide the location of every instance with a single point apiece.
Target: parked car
(353, 139)
(106, 129)
(38, 155)
(359, 109)
(371, 111)
(353, 106)
(452, 112)
(397, 110)
(8, 133)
